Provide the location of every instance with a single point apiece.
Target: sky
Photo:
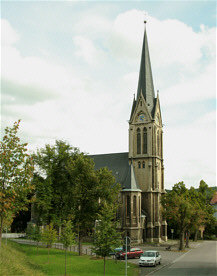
(69, 71)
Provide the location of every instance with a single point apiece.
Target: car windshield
(148, 254)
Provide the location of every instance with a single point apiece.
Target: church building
(141, 170)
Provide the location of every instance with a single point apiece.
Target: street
(201, 259)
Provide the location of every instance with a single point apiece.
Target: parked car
(150, 258)
(133, 253)
(118, 249)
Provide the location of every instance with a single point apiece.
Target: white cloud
(8, 34)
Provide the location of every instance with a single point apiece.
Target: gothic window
(139, 209)
(138, 141)
(144, 140)
(139, 165)
(128, 206)
(143, 164)
(134, 206)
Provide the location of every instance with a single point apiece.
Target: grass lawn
(76, 265)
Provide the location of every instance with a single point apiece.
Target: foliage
(15, 174)
(188, 209)
(178, 209)
(106, 236)
(49, 236)
(90, 188)
(51, 175)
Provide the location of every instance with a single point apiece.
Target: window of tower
(143, 164)
(128, 206)
(145, 142)
(138, 141)
(139, 165)
(158, 144)
(134, 206)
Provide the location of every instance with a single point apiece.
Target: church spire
(145, 85)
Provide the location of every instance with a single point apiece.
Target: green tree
(15, 175)
(49, 236)
(106, 236)
(67, 237)
(178, 208)
(51, 179)
(89, 188)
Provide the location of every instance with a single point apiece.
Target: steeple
(145, 85)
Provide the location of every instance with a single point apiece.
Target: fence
(13, 235)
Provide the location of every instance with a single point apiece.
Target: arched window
(143, 164)
(139, 165)
(138, 141)
(134, 206)
(145, 142)
(128, 206)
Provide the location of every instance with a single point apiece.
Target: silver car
(150, 258)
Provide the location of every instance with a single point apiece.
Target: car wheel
(159, 262)
(155, 264)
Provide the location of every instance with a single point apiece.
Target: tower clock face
(142, 118)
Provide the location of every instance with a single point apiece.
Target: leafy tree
(49, 236)
(106, 236)
(53, 189)
(67, 237)
(89, 188)
(178, 209)
(15, 175)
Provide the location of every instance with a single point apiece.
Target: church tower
(146, 149)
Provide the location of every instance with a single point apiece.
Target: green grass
(13, 261)
(76, 265)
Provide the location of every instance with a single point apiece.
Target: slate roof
(118, 163)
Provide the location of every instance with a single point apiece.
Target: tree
(67, 237)
(15, 175)
(53, 189)
(49, 237)
(89, 188)
(178, 208)
(106, 236)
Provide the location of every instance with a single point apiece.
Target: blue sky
(70, 69)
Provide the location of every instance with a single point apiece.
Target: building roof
(214, 199)
(118, 163)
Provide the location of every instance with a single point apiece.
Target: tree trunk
(104, 266)
(65, 261)
(80, 239)
(187, 239)
(48, 254)
(181, 238)
(195, 235)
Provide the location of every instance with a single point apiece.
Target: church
(141, 170)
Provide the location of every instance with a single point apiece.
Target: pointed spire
(145, 85)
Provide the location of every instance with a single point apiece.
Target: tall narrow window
(143, 164)
(134, 206)
(145, 142)
(138, 141)
(139, 165)
(158, 144)
(128, 206)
